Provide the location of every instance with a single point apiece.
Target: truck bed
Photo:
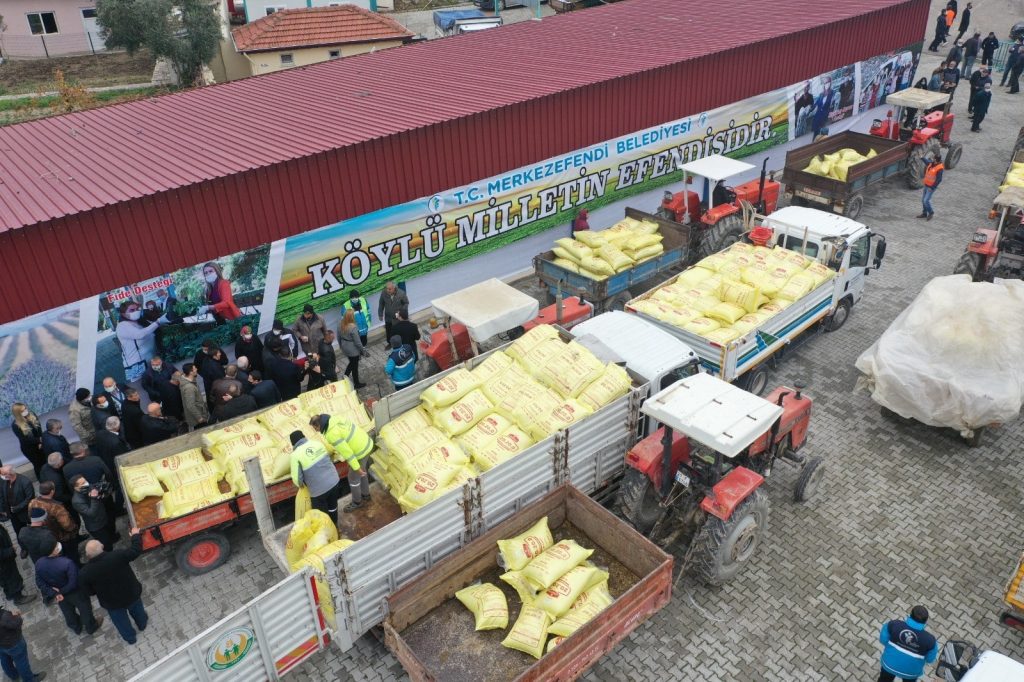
(675, 240)
(891, 159)
(433, 635)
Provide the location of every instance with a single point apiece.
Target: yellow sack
(507, 445)
(495, 364)
(592, 239)
(571, 370)
(775, 306)
(564, 255)
(526, 591)
(426, 485)
(328, 393)
(750, 322)
(505, 384)
(726, 313)
(518, 551)
(871, 154)
(275, 463)
(282, 412)
(445, 454)
(540, 356)
(555, 562)
(460, 416)
(530, 632)
(709, 285)
(318, 540)
(449, 389)
(140, 483)
(637, 242)
(699, 300)
(322, 522)
(243, 444)
(484, 432)
(181, 477)
(648, 253)
(412, 445)
(303, 503)
(569, 265)
(701, 325)
(731, 271)
(646, 227)
(590, 274)
(743, 295)
(407, 424)
(792, 257)
(176, 462)
(614, 257)
(689, 278)
(714, 261)
(596, 265)
(488, 605)
(814, 166)
(531, 398)
(234, 431)
(797, 287)
(195, 495)
(589, 604)
(302, 530)
(562, 593)
(821, 273)
(577, 250)
(561, 416)
(723, 335)
(553, 642)
(613, 383)
(528, 341)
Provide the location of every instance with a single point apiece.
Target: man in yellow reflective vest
(312, 467)
(355, 445)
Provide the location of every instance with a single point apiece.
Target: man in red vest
(932, 178)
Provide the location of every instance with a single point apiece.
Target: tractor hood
(713, 412)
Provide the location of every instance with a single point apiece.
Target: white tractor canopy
(488, 308)
(716, 167)
(916, 98)
(713, 412)
(1011, 197)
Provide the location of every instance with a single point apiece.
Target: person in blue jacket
(401, 364)
(908, 647)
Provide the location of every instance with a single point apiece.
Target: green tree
(185, 32)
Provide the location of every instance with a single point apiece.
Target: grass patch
(27, 76)
(29, 108)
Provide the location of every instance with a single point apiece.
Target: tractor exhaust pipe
(760, 186)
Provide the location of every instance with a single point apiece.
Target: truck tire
(725, 232)
(638, 501)
(916, 162)
(853, 206)
(953, 155)
(202, 553)
(619, 301)
(808, 480)
(969, 264)
(756, 380)
(722, 547)
(840, 316)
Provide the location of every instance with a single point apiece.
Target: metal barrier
(52, 45)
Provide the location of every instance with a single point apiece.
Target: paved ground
(906, 514)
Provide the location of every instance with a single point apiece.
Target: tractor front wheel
(809, 479)
(969, 264)
(953, 155)
(638, 501)
(722, 547)
(725, 232)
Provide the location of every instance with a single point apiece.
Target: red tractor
(717, 209)
(998, 252)
(921, 119)
(699, 476)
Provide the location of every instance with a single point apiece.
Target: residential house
(257, 9)
(298, 37)
(54, 28)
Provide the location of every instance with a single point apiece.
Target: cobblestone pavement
(905, 514)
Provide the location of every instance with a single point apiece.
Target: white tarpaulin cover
(953, 358)
(488, 308)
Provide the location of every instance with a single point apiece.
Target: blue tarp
(445, 19)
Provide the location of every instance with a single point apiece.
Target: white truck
(846, 246)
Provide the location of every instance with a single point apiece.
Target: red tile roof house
(297, 37)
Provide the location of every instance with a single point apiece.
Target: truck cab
(963, 662)
(844, 245)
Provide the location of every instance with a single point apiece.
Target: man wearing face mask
(211, 364)
(285, 336)
(131, 419)
(53, 441)
(89, 506)
(115, 394)
(102, 409)
(249, 345)
(309, 327)
(197, 412)
(57, 578)
(80, 414)
(137, 338)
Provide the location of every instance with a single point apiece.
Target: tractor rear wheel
(853, 206)
(953, 155)
(725, 232)
(918, 160)
(969, 264)
(809, 479)
(722, 547)
(638, 501)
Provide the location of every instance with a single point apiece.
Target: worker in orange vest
(932, 178)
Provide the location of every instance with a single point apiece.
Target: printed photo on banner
(38, 360)
(885, 74)
(171, 315)
(820, 101)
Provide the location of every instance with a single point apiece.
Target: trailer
(613, 292)
(453, 22)
(433, 635)
(849, 248)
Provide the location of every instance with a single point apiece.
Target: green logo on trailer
(230, 648)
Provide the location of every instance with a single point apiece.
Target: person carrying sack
(311, 466)
(355, 445)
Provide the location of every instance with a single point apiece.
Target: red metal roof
(314, 26)
(212, 171)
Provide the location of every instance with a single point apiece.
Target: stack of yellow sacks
(1014, 176)
(184, 482)
(311, 541)
(471, 421)
(560, 591)
(598, 255)
(837, 164)
(730, 293)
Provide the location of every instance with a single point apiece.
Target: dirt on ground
(36, 75)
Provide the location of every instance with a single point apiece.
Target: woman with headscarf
(29, 431)
(137, 339)
(220, 300)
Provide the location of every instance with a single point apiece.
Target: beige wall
(267, 62)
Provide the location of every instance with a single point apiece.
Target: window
(859, 252)
(42, 23)
(796, 243)
(334, 54)
(287, 60)
(89, 13)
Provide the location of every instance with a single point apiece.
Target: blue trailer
(450, 22)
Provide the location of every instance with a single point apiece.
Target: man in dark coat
(36, 538)
(264, 391)
(10, 578)
(84, 464)
(286, 374)
(940, 32)
(392, 299)
(14, 649)
(249, 346)
(157, 428)
(211, 368)
(131, 420)
(327, 357)
(16, 492)
(409, 332)
(102, 409)
(965, 22)
(53, 472)
(89, 505)
(234, 404)
(988, 49)
(158, 383)
(981, 101)
(53, 441)
(978, 81)
(109, 576)
(57, 578)
(108, 445)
